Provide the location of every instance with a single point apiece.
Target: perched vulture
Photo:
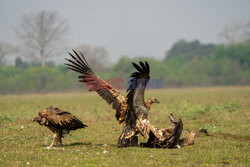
(131, 110)
(59, 122)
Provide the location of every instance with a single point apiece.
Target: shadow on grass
(84, 144)
(77, 144)
(233, 136)
(71, 144)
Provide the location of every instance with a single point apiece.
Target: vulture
(131, 110)
(165, 137)
(59, 122)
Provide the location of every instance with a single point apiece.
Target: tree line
(196, 64)
(187, 63)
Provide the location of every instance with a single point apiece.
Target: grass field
(224, 112)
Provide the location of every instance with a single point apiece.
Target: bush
(36, 79)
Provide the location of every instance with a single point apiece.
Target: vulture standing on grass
(59, 122)
(131, 110)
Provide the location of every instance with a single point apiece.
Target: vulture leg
(128, 138)
(54, 140)
(60, 140)
(60, 137)
(122, 142)
(134, 140)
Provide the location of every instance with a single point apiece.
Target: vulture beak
(156, 101)
(38, 119)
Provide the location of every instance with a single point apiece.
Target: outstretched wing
(136, 89)
(94, 83)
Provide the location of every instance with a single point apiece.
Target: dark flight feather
(112, 96)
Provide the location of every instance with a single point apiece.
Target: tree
(235, 32)
(247, 31)
(237, 51)
(20, 64)
(5, 49)
(185, 50)
(231, 32)
(41, 35)
(97, 56)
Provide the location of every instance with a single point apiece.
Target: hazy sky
(131, 27)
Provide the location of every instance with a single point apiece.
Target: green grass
(224, 112)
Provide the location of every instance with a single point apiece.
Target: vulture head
(150, 101)
(39, 120)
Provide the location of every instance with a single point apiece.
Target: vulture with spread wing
(131, 110)
(59, 122)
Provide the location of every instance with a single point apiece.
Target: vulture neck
(190, 138)
(148, 104)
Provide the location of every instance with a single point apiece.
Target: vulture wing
(61, 119)
(106, 90)
(136, 89)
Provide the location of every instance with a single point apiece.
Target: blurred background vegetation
(187, 63)
(37, 69)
